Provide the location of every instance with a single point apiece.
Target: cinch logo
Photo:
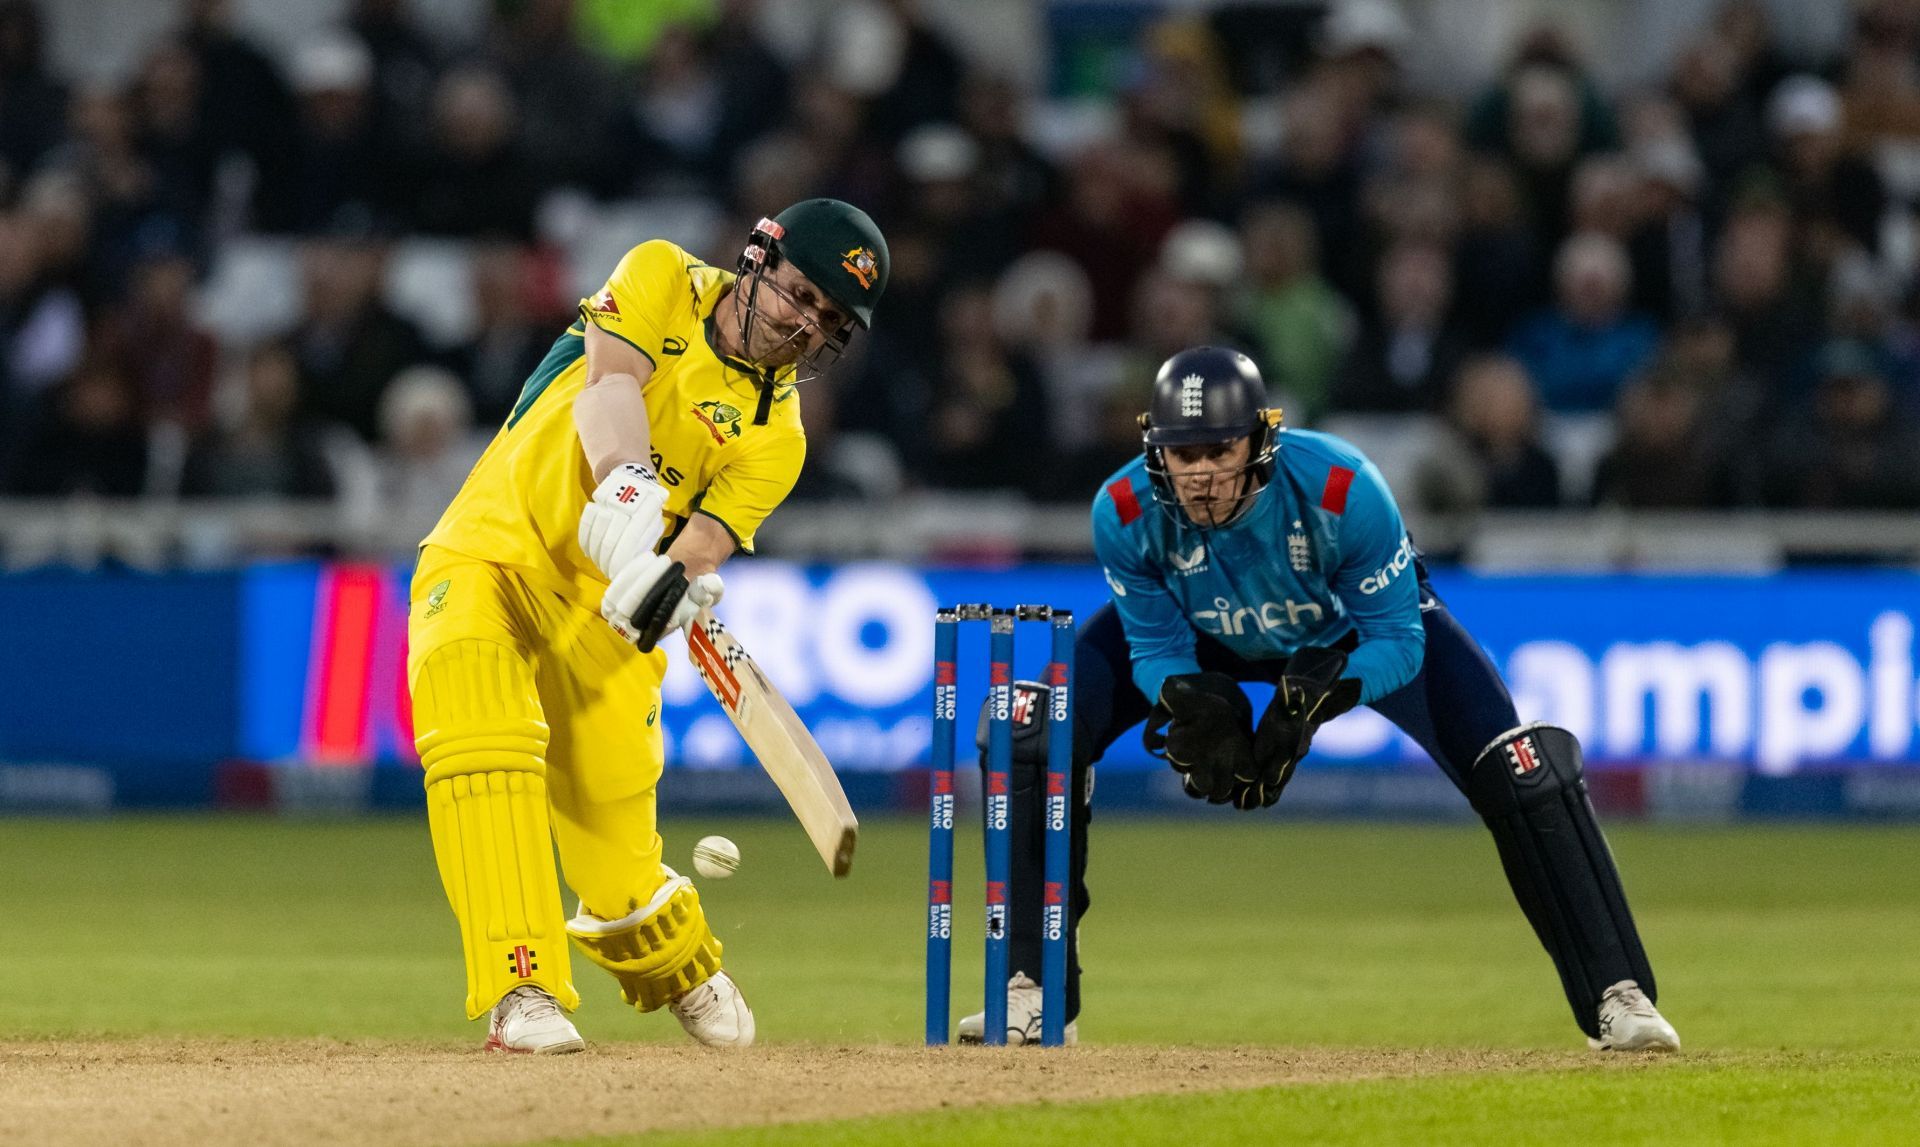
(1227, 620)
(1383, 577)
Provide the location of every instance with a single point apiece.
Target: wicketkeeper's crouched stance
(1237, 551)
(660, 431)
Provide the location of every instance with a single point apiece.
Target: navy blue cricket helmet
(1205, 395)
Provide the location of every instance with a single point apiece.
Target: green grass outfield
(1789, 959)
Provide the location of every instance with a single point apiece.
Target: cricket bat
(778, 739)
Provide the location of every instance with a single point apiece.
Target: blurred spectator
(1509, 117)
(1496, 260)
(348, 345)
(1043, 309)
(753, 79)
(1114, 442)
(1774, 318)
(31, 99)
(1174, 310)
(91, 440)
(268, 452)
(1608, 199)
(1493, 457)
(842, 465)
(174, 134)
(1747, 31)
(1826, 188)
(1015, 181)
(1670, 250)
(115, 179)
(1361, 46)
(854, 163)
(1182, 106)
(1882, 81)
(887, 52)
(340, 161)
(1317, 171)
(1582, 350)
(1726, 127)
(625, 31)
(427, 446)
(1303, 326)
(1852, 447)
(671, 122)
(1403, 360)
(1543, 117)
(1662, 456)
(155, 340)
(474, 182)
(42, 328)
(1415, 193)
(565, 92)
(53, 204)
(404, 64)
(514, 327)
(988, 427)
(1109, 228)
(941, 168)
(241, 104)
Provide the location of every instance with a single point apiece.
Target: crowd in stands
(1709, 282)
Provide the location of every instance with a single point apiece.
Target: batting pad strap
(658, 952)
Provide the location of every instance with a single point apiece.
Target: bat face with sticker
(778, 739)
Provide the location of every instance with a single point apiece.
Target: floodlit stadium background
(1621, 296)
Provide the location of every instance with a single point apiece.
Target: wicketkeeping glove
(1203, 726)
(1310, 693)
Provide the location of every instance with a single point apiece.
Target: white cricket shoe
(715, 1013)
(1630, 1022)
(1023, 1017)
(528, 1020)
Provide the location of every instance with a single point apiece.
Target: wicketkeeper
(1238, 551)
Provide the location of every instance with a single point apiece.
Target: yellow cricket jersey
(520, 507)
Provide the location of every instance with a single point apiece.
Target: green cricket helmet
(837, 246)
(839, 249)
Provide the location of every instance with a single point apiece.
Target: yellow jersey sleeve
(648, 294)
(751, 486)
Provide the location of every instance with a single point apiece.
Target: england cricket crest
(1299, 556)
(1523, 755)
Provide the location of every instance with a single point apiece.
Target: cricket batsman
(658, 433)
(1236, 551)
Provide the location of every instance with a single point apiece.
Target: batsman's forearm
(611, 418)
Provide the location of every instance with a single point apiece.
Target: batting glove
(623, 523)
(652, 597)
